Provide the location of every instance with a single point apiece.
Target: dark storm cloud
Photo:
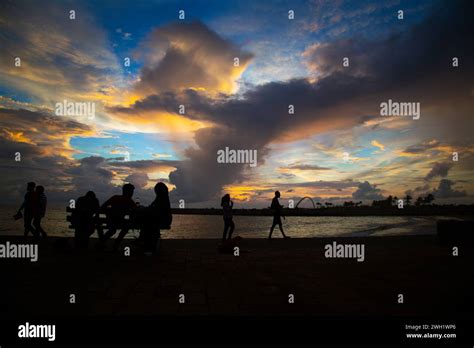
(439, 169)
(96, 174)
(445, 190)
(28, 122)
(422, 51)
(248, 123)
(366, 191)
(336, 185)
(197, 105)
(405, 64)
(139, 180)
(419, 190)
(422, 148)
(142, 164)
(42, 140)
(305, 167)
(90, 175)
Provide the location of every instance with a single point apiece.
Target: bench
(101, 220)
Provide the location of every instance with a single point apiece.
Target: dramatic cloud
(365, 192)
(305, 167)
(190, 55)
(189, 64)
(52, 134)
(259, 117)
(439, 169)
(41, 142)
(446, 190)
(418, 191)
(60, 57)
(139, 180)
(422, 149)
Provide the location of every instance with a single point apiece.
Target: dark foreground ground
(257, 282)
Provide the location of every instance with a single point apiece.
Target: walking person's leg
(281, 229)
(271, 230)
(226, 227)
(29, 228)
(232, 227)
(26, 225)
(39, 229)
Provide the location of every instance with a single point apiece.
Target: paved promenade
(259, 281)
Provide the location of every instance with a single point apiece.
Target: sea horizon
(193, 226)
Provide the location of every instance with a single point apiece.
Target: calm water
(209, 226)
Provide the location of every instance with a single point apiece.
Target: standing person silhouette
(157, 217)
(29, 206)
(118, 206)
(40, 210)
(227, 205)
(276, 207)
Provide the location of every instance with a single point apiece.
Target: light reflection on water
(211, 226)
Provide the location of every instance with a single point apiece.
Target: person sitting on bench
(84, 219)
(116, 208)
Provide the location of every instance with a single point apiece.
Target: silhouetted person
(117, 207)
(157, 217)
(41, 202)
(84, 217)
(29, 207)
(276, 207)
(227, 205)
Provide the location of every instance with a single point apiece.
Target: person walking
(229, 225)
(276, 207)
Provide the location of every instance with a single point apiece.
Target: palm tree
(419, 201)
(408, 199)
(429, 198)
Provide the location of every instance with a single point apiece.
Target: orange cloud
(378, 145)
(17, 137)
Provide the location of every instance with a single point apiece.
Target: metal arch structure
(302, 199)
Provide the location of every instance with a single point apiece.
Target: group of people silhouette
(149, 220)
(33, 210)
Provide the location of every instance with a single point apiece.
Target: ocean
(211, 226)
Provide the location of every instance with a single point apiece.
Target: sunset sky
(282, 62)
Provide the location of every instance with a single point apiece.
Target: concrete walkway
(259, 281)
